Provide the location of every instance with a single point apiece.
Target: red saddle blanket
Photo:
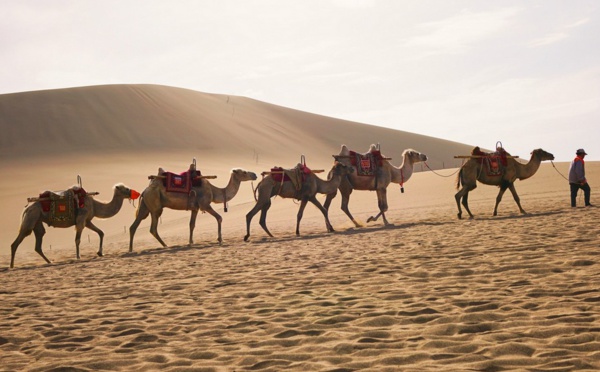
(182, 182)
(62, 206)
(494, 162)
(279, 174)
(366, 164)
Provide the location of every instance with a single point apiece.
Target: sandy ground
(427, 293)
(430, 292)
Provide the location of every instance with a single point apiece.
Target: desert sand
(430, 292)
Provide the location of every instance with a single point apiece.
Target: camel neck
(525, 171)
(107, 210)
(223, 195)
(401, 174)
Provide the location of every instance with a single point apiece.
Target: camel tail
(459, 179)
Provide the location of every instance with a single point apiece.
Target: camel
(473, 171)
(386, 174)
(155, 198)
(313, 185)
(34, 216)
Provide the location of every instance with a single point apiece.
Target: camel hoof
(100, 254)
(459, 216)
(370, 219)
(246, 238)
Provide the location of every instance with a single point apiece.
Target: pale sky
(526, 73)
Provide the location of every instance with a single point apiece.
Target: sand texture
(427, 293)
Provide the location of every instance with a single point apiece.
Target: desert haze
(427, 292)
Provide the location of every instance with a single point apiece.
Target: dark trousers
(586, 193)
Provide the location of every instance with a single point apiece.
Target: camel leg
(465, 203)
(141, 214)
(100, 233)
(457, 197)
(323, 210)
(464, 195)
(513, 191)
(383, 206)
(499, 198)
(345, 201)
(78, 231)
(219, 219)
(192, 226)
(154, 227)
(39, 232)
(300, 213)
(329, 199)
(23, 233)
(263, 217)
(249, 217)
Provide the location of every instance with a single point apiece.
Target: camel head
(414, 156)
(542, 155)
(243, 175)
(126, 192)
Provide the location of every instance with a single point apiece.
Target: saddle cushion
(295, 175)
(62, 206)
(178, 182)
(182, 182)
(366, 164)
(494, 161)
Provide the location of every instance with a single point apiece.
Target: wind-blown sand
(430, 292)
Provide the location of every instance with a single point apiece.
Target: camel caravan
(191, 191)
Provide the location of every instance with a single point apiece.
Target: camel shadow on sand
(347, 232)
(516, 216)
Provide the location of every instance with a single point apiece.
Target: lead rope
(441, 175)
(557, 171)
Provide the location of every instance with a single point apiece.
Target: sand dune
(428, 293)
(150, 118)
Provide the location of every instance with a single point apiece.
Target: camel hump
(160, 170)
(344, 151)
(373, 148)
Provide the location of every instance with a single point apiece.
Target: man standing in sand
(577, 178)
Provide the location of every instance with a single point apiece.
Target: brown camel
(386, 174)
(313, 185)
(34, 216)
(474, 170)
(155, 198)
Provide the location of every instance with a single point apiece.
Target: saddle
(494, 162)
(184, 182)
(181, 182)
(296, 175)
(62, 206)
(368, 163)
